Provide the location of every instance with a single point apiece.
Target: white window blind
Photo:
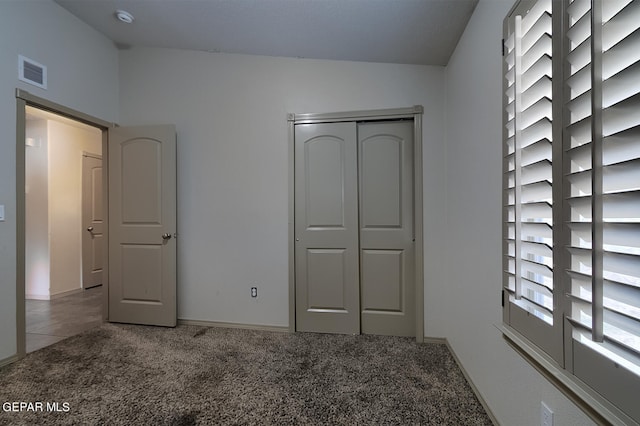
(582, 266)
(578, 145)
(620, 185)
(528, 168)
(605, 184)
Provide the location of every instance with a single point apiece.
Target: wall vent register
(32, 72)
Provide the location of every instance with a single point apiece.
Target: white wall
(82, 73)
(471, 303)
(37, 211)
(66, 145)
(53, 261)
(230, 112)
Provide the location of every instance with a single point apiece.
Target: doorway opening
(63, 261)
(54, 300)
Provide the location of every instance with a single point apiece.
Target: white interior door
(387, 256)
(92, 221)
(354, 248)
(326, 228)
(142, 225)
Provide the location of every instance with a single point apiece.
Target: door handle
(90, 229)
(166, 236)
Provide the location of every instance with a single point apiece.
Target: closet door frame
(414, 113)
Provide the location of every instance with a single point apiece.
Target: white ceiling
(395, 31)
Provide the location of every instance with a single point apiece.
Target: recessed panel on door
(381, 197)
(324, 156)
(141, 273)
(96, 191)
(326, 279)
(383, 281)
(141, 170)
(97, 244)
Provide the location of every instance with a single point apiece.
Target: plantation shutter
(603, 146)
(578, 155)
(621, 172)
(528, 174)
(572, 194)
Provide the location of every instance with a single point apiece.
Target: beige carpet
(123, 374)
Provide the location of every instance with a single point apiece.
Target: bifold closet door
(354, 254)
(387, 285)
(326, 228)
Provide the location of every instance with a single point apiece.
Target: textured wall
(66, 145)
(230, 112)
(37, 270)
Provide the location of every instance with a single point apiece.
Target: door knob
(90, 229)
(166, 236)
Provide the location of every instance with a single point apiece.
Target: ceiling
(395, 31)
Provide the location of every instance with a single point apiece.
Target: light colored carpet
(124, 374)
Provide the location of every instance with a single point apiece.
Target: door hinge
(502, 298)
(503, 47)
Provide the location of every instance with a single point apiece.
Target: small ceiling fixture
(124, 16)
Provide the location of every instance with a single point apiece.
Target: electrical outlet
(254, 291)
(546, 415)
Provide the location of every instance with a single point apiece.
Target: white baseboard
(439, 340)
(37, 296)
(9, 360)
(52, 296)
(278, 328)
(66, 293)
(443, 340)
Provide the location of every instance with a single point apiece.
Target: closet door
(326, 228)
(387, 284)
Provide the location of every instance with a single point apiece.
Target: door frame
(414, 113)
(24, 99)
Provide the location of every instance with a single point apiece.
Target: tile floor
(49, 321)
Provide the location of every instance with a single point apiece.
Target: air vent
(32, 72)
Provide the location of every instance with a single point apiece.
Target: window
(571, 190)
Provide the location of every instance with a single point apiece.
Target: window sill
(589, 401)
